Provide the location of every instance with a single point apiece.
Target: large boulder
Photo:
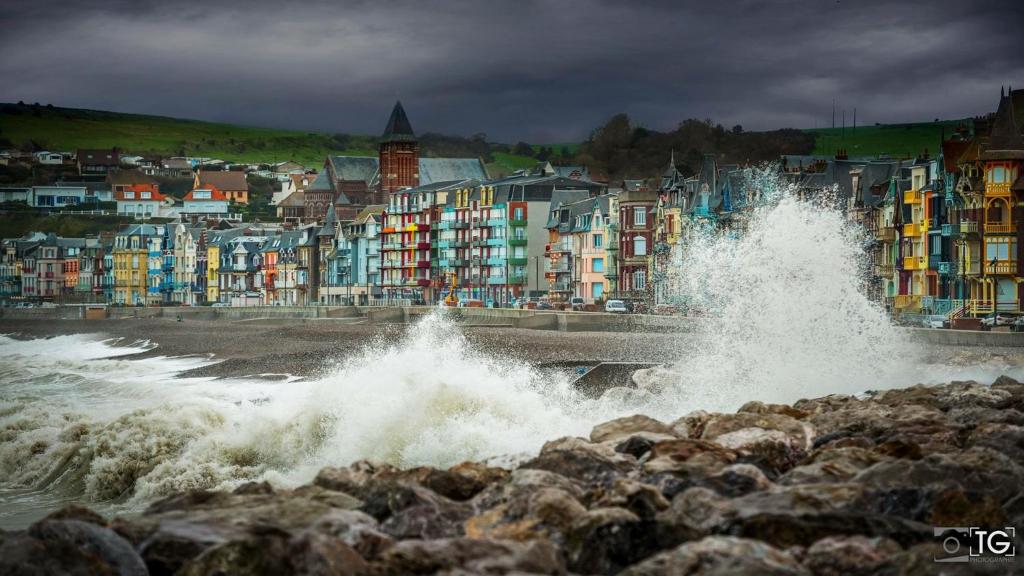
(582, 461)
(629, 426)
(56, 546)
(849, 555)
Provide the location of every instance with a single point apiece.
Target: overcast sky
(541, 71)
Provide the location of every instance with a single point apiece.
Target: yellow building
(212, 272)
(130, 255)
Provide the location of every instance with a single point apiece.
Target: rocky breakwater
(835, 485)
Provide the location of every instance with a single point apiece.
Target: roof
(348, 168)
(952, 150)
(153, 189)
(231, 180)
(330, 222)
(177, 164)
(295, 199)
(447, 169)
(1005, 140)
(94, 157)
(303, 181)
(370, 211)
(215, 194)
(398, 128)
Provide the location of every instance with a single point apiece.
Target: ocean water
(783, 316)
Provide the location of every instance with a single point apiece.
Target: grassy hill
(897, 140)
(67, 129)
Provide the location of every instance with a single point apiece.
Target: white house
(49, 158)
(57, 196)
(140, 200)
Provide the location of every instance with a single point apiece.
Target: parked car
(935, 322)
(1017, 325)
(577, 303)
(221, 305)
(543, 305)
(616, 307)
(994, 320)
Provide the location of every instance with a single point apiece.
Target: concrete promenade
(475, 317)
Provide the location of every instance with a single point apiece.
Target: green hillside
(897, 140)
(67, 129)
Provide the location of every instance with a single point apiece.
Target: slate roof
(398, 128)
(330, 222)
(1005, 140)
(133, 176)
(349, 168)
(297, 198)
(230, 180)
(445, 169)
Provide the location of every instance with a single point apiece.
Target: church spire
(398, 128)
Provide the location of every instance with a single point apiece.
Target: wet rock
(720, 556)
(354, 479)
(416, 512)
(626, 427)
(534, 504)
(76, 512)
(272, 552)
(849, 555)
(636, 446)
(1006, 439)
(582, 461)
(356, 529)
(606, 540)
(833, 465)
(691, 425)
(641, 499)
(688, 457)
(695, 513)
(773, 442)
(175, 542)
(255, 488)
(755, 407)
(476, 556)
(68, 546)
(737, 480)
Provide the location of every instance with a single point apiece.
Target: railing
(998, 228)
(902, 301)
(887, 234)
(949, 230)
(968, 227)
(496, 222)
(492, 280)
(496, 241)
(518, 279)
(911, 229)
(911, 197)
(981, 306)
(947, 268)
(1001, 267)
(496, 261)
(913, 263)
(884, 270)
(517, 261)
(515, 222)
(517, 241)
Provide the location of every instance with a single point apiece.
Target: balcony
(496, 241)
(391, 246)
(423, 264)
(517, 261)
(423, 282)
(517, 241)
(496, 222)
(998, 228)
(495, 261)
(968, 227)
(559, 248)
(913, 263)
(494, 280)
(517, 280)
(445, 244)
(423, 245)
(515, 222)
(911, 230)
(559, 269)
(1001, 267)
(886, 234)
(911, 197)
(950, 230)
(387, 230)
(946, 268)
(978, 307)
(884, 270)
(423, 227)
(452, 262)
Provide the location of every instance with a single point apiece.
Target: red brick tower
(399, 155)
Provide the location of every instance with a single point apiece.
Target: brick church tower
(399, 155)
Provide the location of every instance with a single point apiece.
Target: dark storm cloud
(533, 70)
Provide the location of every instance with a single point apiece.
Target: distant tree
(543, 154)
(522, 149)
(737, 129)
(564, 152)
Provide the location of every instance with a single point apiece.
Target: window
(129, 195)
(640, 246)
(597, 240)
(639, 217)
(639, 280)
(598, 265)
(597, 290)
(1000, 249)
(998, 175)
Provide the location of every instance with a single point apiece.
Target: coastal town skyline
(551, 73)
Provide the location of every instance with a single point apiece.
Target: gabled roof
(137, 189)
(371, 211)
(134, 176)
(230, 180)
(398, 128)
(330, 222)
(295, 199)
